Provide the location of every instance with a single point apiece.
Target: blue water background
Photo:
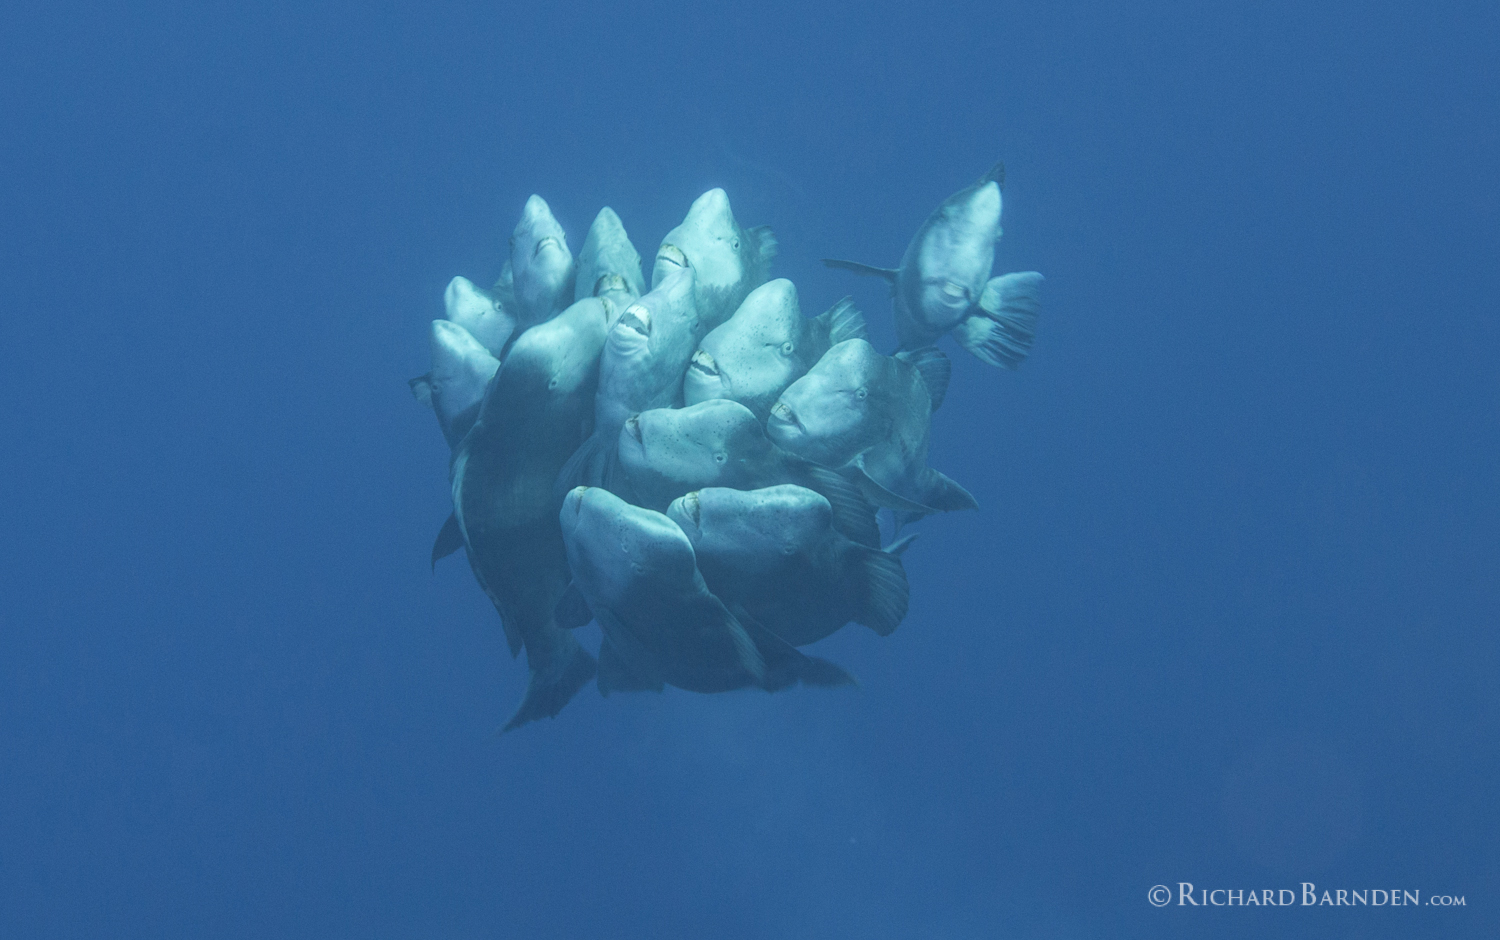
(1226, 615)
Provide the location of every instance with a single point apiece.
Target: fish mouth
(691, 506)
(672, 255)
(633, 428)
(545, 242)
(573, 503)
(705, 364)
(783, 415)
(636, 318)
(954, 293)
(608, 282)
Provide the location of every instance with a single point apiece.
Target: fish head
(608, 264)
(541, 264)
(562, 354)
(657, 332)
(955, 254)
(614, 547)
(667, 451)
(836, 410)
(749, 530)
(480, 312)
(726, 259)
(755, 354)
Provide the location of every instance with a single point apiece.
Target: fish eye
(720, 457)
(734, 244)
(552, 383)
(861, 393)
(786, 349)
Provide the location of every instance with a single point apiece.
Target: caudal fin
(1002, 332)
(559, 668)
(882, 591)
(935, 368)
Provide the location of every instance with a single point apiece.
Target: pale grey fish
(641, 368)
(728, 261)
(667, 452)
(943, 284)
(766, 346)
(662, 626)
(536, 412)
(608, 264)
(541, 266)
(867, 416)
(774, 555)
(480, 312)
(454, 387)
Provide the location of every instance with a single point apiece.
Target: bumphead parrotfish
(636, 571)
(608, 264)
(768, 344)
(454, 387)
(772, 555)
(867, 416)
(534, 415)
(728, 262)
(541, 266)
(943, 284)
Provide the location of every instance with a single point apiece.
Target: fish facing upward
(943, 284)
(768, 344)
(541, 266)
(534, 414)
(608, 264)
(667, 452)
(867, 416)
(480, 312)
(662, 626)
(454, 387)
(773, 556)
(728, 261)
(646, 352)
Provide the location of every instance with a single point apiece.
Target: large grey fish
(867, 416)
(728, 261)
(454, 387)
(768, 344)
(641, 368)
(481, 312)
(667, 452)
(541, 266)
(773, 556)
(943, 284)
(608, 264)
(636, 571)
(537, 410)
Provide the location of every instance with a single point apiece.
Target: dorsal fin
(935, 368)
(868, 270)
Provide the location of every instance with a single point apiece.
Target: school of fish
(698, 467)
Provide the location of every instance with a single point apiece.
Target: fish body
(728, 261)
(535, 413)
(455, 386)
(774, 554)
(768, 344)
(481, 312)
(636, 570)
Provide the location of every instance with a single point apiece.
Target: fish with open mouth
(608, 264)
(541, 266)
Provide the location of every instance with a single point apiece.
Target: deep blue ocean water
(1227, 613)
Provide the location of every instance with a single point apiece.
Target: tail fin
(867, 270)
(559, 667)
(1003, 335)
(883, 591)
(450, 538)
(841, 321)
(936, 370)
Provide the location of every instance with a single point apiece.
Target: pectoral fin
(450, 538)
(868, 270)
(1002, 332)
